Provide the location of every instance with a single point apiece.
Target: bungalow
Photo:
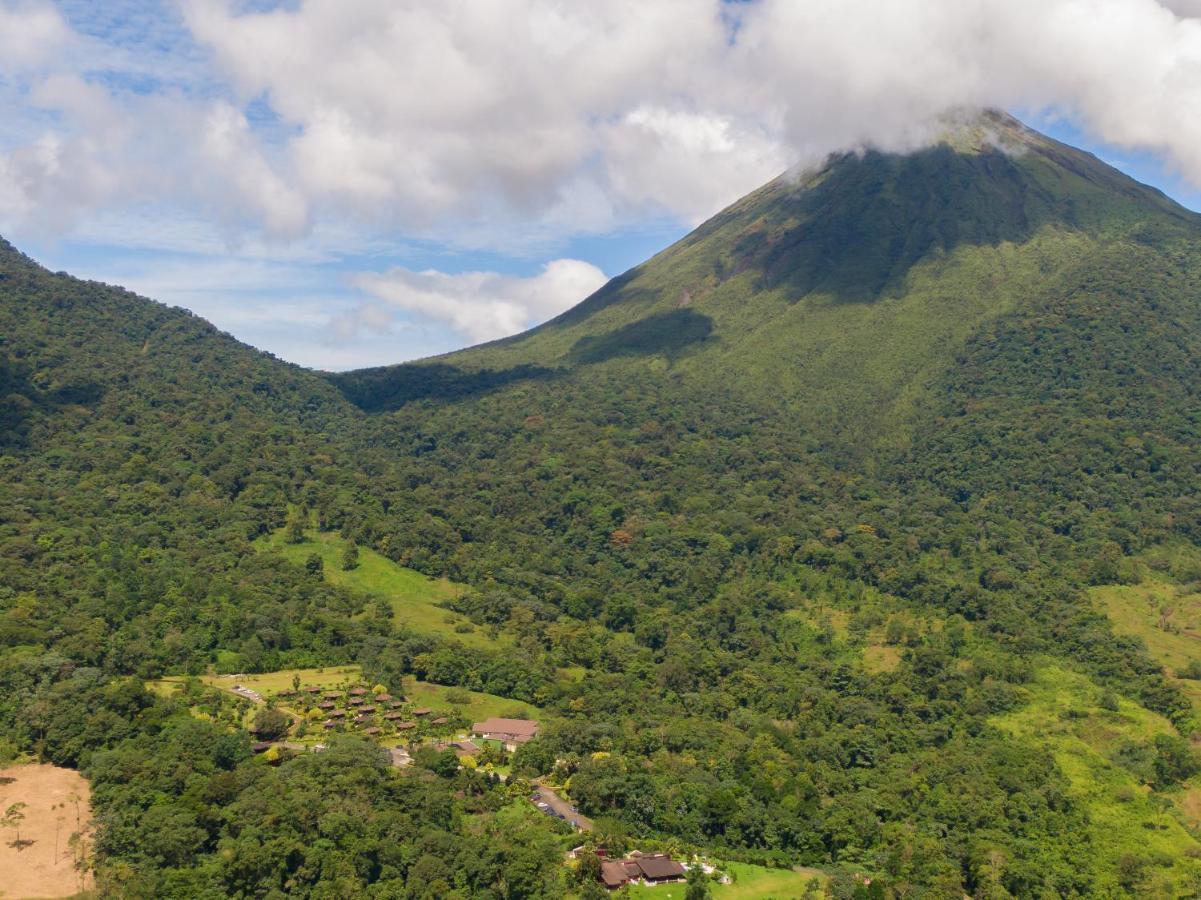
(356, 701)
(441, 720)
(405, 726)
(660, 868)
(614, 874)
(422, 712)
(337, 714)
(333, 695)
(373, 730)
(366, 709)
(362, 720)
(312, 689)
(357, 691)
(509, 732)
(327, 705)
(393, 716)
(396, 704)
(651, 869)
(383, 698)
(463, 748)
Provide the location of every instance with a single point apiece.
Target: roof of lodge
(518, 728)
(613, 873)
(655, 867)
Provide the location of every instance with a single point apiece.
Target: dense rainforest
(797, 529)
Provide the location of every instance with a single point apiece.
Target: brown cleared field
(44, 866)
(881, 658)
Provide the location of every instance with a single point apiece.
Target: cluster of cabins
(383, 717)
(381, 713)
(640, 868)
(356, 709)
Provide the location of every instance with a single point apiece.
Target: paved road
(559, 805)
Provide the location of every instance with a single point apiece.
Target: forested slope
(788, 529)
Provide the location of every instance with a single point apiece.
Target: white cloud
(517, 120)
(484, 306)
(31, 34)
(322, 126)
(432, 115)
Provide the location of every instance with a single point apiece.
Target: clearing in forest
(1166, 616)
(474, 706)
(57, 806)
(1067, 715)
(414, 597)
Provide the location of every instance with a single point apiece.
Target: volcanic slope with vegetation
(791, 531)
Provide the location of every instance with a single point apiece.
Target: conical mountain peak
(843, 293)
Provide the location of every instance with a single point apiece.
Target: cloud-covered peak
(434, 118)
(518, 126)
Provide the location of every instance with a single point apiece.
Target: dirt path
(559, 805)
(56, 805)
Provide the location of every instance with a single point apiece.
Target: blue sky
(362, 182)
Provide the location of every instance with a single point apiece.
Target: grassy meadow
(1166, 617)
(414, 597)
(1065, 715)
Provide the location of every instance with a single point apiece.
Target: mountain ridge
(792, 534)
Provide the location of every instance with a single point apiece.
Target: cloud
(484, 306)
(428, 113)
(31, 35)
(365, 317)
(303, 127)
(1184, 8)
(519, 121)
(431, 115)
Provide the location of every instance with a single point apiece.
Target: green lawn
(414, 596)
(478, 706)
(750, 883)
(1124, 818)
(268, 683)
